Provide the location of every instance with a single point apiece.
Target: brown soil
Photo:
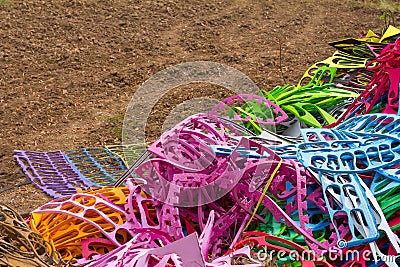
(69, 68)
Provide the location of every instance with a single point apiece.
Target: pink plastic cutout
(276, 111)
(188, 251)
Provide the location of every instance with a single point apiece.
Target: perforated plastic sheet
(97, 165)
(50, 171)
(127, 153)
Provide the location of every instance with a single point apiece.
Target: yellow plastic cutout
(370, 37)
(66, 231)
(309, 74)
(391, 31)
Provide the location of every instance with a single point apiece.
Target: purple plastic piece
(183, 159)
(150, 238)
(252, 172)
(135, 196)
(279, 114)
(170, 222)
(205, 237)
(174, 186)
(50, 172)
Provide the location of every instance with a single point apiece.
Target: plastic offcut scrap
(50, 171)
(296, 176)
(60, 173)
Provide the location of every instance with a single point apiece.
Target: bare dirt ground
(68, 69)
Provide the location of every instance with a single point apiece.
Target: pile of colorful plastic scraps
(240, 186)
(230, 199)
(124, 227)
(213, 189)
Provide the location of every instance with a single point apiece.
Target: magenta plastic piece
(193, 135)
(173, 177)
(167, 216)
(393, 95)
(130, 254)
(187, 251)
(87, 242)
(226, 261)
(185, 171)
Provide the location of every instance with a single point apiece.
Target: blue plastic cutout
(96, 165)
(320, 135)
(286, 151)
(353, 207)
(366, 143)
(243, 152)
(353, 156)
(372, 123)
